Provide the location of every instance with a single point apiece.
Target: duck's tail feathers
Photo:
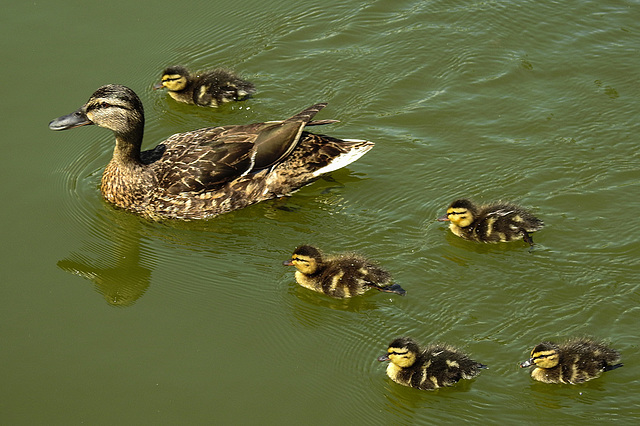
(535, 225)
(394, 288)
(321, 122)
(354, 149)
(612, 367)
(306, 115)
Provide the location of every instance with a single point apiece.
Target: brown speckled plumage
(491, 223)
(574, 361)
(206, 172)
(210, 88)
(432, 367)
(340, 276)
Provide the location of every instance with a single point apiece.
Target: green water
(110, 319)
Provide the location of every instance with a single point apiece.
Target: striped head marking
(401, 352)
(116, 108)
(461, 213)
(306, 259)
(545, 355)
(174, 79)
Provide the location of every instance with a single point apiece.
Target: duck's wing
(203, 159)
(277, 140)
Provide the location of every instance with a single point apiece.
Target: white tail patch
(347, 158)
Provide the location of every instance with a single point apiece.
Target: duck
(491, 223)
(340, 276)
(202, 173)
(575, 361)
(211, 88)
(435, 366)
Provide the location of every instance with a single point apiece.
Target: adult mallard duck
(210, 88)
(435, 366)
(574, 361)
(206, 172)
(492, 223)
(340, 276)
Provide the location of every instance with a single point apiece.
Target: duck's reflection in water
(117, 270)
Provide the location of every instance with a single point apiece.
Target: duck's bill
(383, 358)
(527, 363)
(75, 119)
(158, 86)
(287, 263)
(444, 218)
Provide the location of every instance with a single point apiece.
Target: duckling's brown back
(584, 360)
(449, 366)
(504, 222)
(220, 86)
(351, 275)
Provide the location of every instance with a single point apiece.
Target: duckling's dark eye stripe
(539, 355)
(398, 353)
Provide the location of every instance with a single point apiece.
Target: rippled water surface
(112, 319)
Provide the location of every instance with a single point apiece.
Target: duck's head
(461, 213)
(306, 259)
(173, 78)
(113, 107)
(545, 355)
(402, 352)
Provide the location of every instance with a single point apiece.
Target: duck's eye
(99, 105)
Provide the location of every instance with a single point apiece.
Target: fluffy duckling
(435, 366)
(205, 89)
(342, 276)
(574, 361)
(203, 173)
(492, 223)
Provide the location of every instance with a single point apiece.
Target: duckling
(574, 361)
(205, 89)
(435, 366)
(341, 276)
(206, 172)
(492, 223)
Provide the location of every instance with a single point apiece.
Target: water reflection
(562, 396)
(411, 403)
(313, 299)
(118, 271)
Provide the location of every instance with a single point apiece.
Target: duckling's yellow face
(460, 216)
(305, 264)
(402, 357)
(545, 358)
(174, 82)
